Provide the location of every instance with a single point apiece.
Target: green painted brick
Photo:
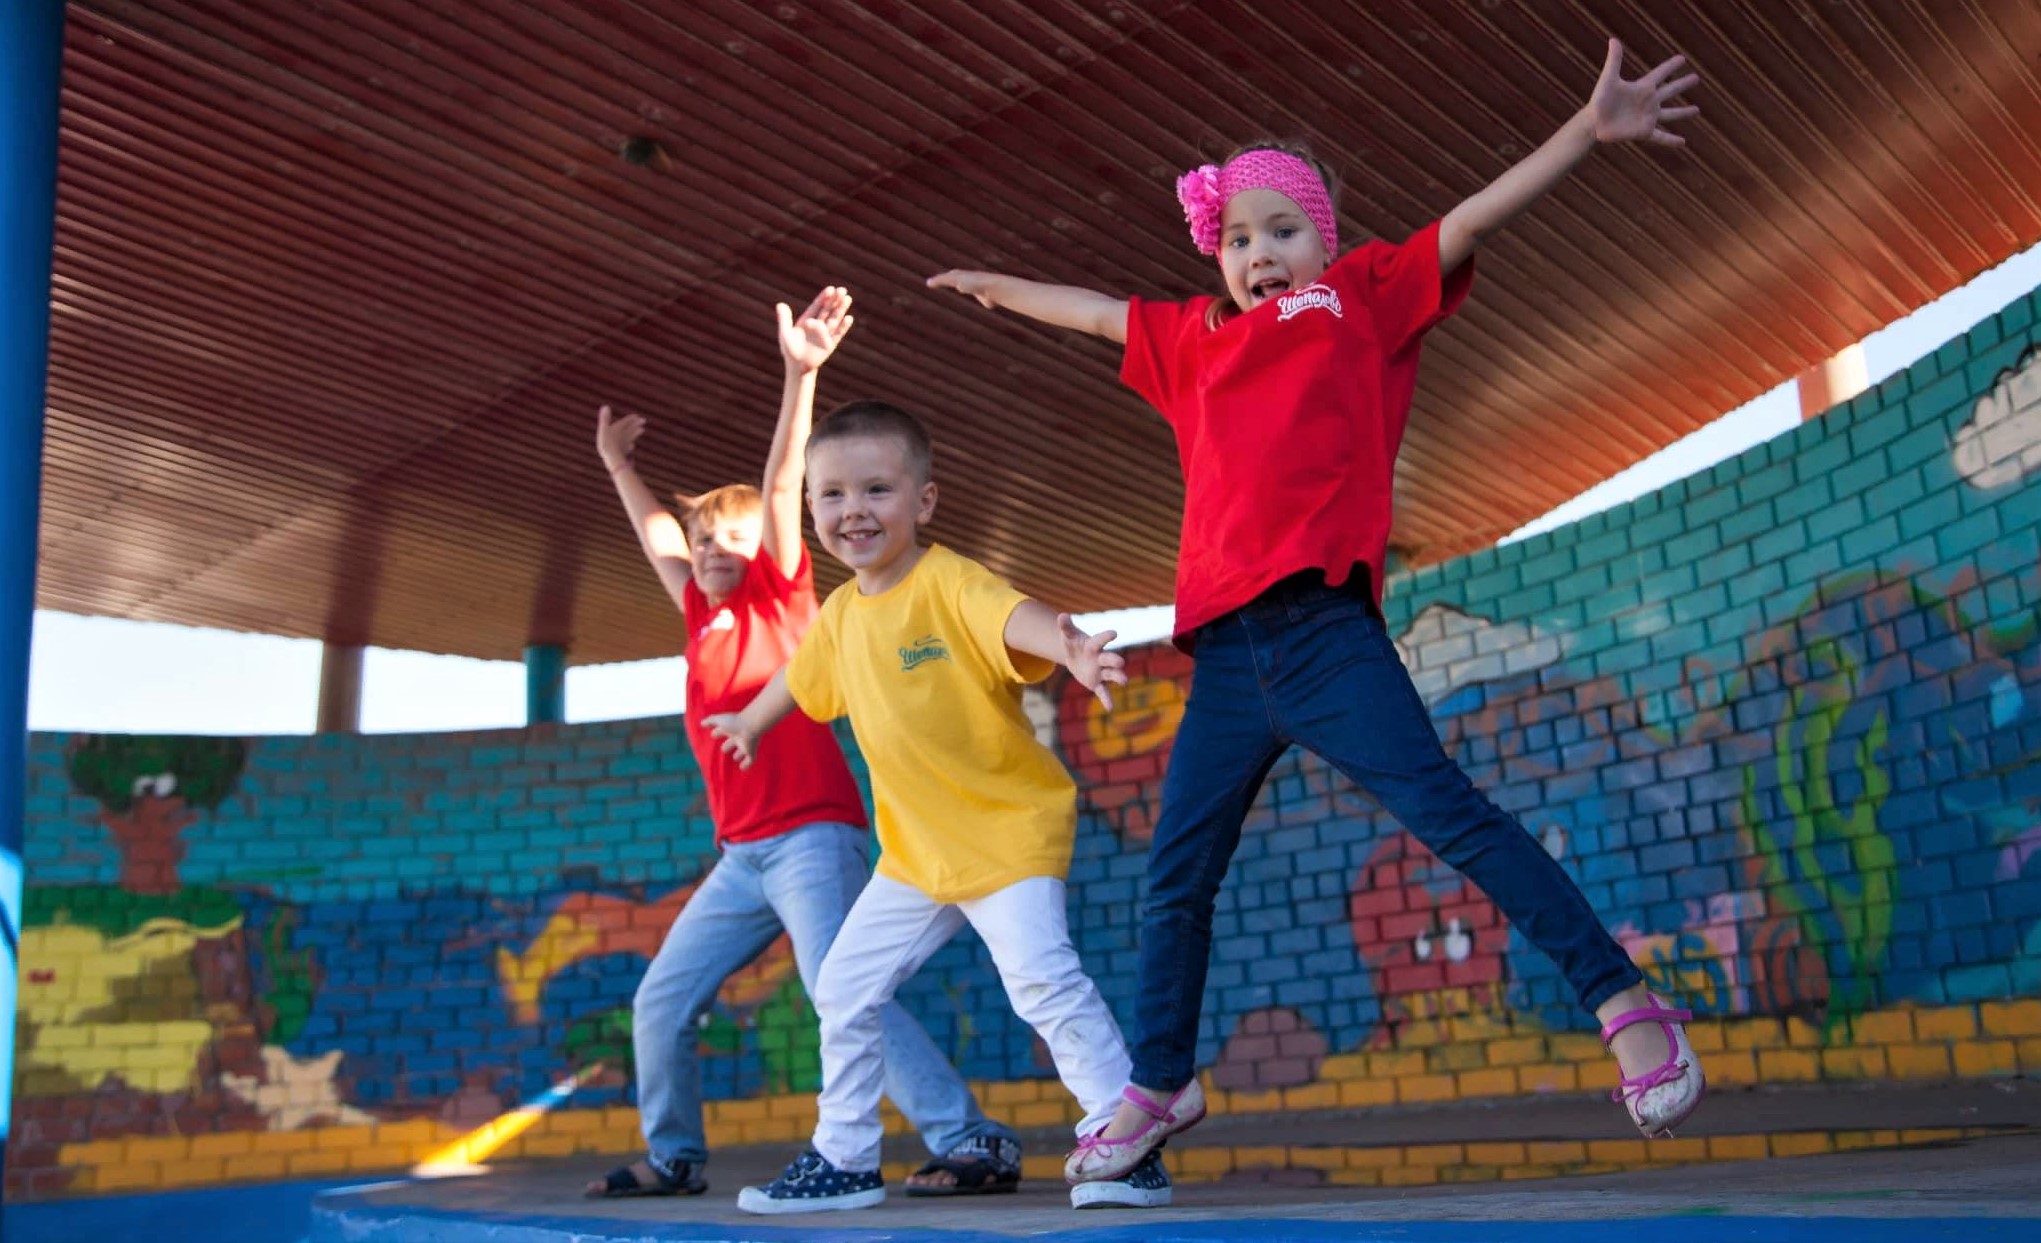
(1896, 492)
(1702, 602)
(1773, 480)
(1965, 536)
(1732, 560)
(1867, 542)
(1818, 459)
(1658, 527)
(1694, 545)
(1815, 562)
(1779, 542)
(1948, 399)
(1747, 524)
(2017, 318)
(1710, 507)
(1845, 514)
(1930, 514)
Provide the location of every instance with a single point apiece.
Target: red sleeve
(1403, 289)
(766, 574)
(1154, 339)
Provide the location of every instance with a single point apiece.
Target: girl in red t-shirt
(1289, 398)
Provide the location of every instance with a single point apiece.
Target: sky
(106, 675)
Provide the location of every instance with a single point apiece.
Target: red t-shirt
(1288, 419)
(799, 775)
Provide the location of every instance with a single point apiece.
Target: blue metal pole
(31, 54)
(545, 684)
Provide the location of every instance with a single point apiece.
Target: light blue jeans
(805, 882)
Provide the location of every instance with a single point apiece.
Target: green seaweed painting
(1852, 907)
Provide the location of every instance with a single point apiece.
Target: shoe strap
(1161, 1113)
(1657, 1012)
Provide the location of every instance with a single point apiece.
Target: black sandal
(987, 1165)
(623, 1183)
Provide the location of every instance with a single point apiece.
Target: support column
(545, 684)
(1831, 384)
(31, 55)
(340, 688)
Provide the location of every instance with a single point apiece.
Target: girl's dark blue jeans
(1313, 666)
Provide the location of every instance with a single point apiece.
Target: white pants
(891, 930)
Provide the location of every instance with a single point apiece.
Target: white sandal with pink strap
(1661, 1099)
(1098, 1159)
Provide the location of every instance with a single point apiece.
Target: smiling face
(869, 504)
(1267, 247)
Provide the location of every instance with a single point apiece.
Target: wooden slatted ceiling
(339, 284)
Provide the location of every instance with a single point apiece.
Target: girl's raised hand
(807, 342)
(977, 284)
(1639, 110)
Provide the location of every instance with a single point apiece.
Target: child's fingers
(786, 315)
(1105, 695)
(1673, 90)
(1663, 70)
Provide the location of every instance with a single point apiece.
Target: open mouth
(1269, 287)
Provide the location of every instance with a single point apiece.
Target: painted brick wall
(1780, 720)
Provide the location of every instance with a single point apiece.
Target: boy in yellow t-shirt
(926, 652)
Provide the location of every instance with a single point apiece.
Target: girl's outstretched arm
(1637, 110)
(1065, 306)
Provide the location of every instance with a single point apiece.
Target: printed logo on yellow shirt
(928, 647)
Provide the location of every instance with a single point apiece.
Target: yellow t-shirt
(969, 801)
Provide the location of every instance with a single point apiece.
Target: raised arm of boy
(658, 532)
(1065, 306)
(1038, 630)
(805, 344)
(1637, 110)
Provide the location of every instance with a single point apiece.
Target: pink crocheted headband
(1205, 190)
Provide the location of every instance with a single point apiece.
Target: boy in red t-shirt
(791, 827)
(1289, 397)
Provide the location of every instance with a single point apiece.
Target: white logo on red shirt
(1311, 297)
(723, 620)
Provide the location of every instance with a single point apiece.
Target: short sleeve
(1403, 289)
(984, 602)
(812, 673)
(1154, 335)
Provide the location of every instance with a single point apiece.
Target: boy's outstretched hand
(1085, 655)
(976, 284)
(739, 741)
(1640, 109)
(806, 343)
(616, 438)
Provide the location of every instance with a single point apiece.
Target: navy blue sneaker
(810, 1184)
(1147, 1186)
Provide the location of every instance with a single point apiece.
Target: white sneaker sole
(754, 1200)
(1118, 1195)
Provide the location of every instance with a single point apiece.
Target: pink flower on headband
(1205, 190)
(1198, 191)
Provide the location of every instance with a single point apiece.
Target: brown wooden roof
(339, 283)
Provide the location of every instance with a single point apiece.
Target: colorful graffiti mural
(1779, 721)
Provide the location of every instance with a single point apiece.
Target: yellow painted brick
(1520, 1051)
(256, 1165)
(1800, 1143)
(1801, 1034)
(1551, 1078)
(1854, 1062)
(1410, 1176)
(1883, 1027)
(1045, 1166)
(1930, 1135)
(1268, 1102)
(127, 1177)
(1359, 1093)
(1946, 1023)
(222, 1144)
(302, 1163)
(1379, 1158)
(777, 1107)
(1419, 1088)
(753, 1110)
(192, 1173)
(548, 1146)
(2011, 1018)
(286, 1142)
(1986, 1057)
(158, 1148)
(1732, 1067)
(1788, 1066)
(1312, 1096)
(1434, 1154)
(1885, 1139)
(1495, 1154)
(1575, 1047)
(1851, 1141)
(1354, 1178)
(94, 1152)
(1457, 1057)
(1676, 1150)
(1556, 1152)
(390, 1157)
(1260, 1157)
(1706, 1037)
(1206, 1160)
(560, 1121)
(1600, 1167)
(1041, 1113)
(1738, 1148)
(426, 1131)
(1515, 1173)
(1469, 1173)
(1341, 1067)
(1760, 1033)
(1013, 1092)
(342, 1138)
(1500, 1081)
(1625, 1152)
(1395, 1065)
(1419, 1036)
(2030, 1055)
(1315, 1158)
(1919, 1061)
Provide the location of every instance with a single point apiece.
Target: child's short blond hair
(732, 500)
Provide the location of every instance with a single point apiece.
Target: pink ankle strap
(1656, 1012)
(1158, 1112)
